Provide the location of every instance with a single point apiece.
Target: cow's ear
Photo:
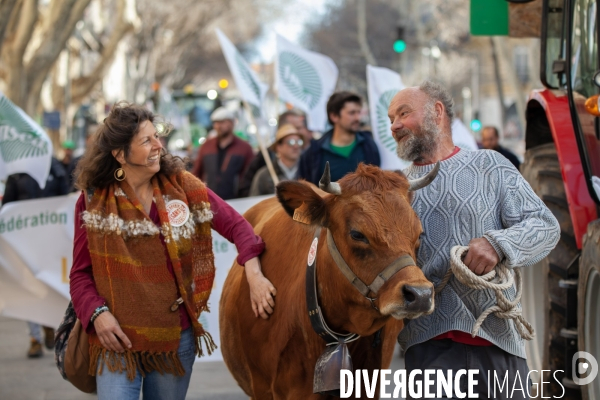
(301, 202)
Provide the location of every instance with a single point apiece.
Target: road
(38, 379)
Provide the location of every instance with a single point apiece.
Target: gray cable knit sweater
(476, 193)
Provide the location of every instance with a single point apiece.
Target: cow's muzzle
(417, 299)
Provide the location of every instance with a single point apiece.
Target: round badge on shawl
(178, 212)
(312, 253)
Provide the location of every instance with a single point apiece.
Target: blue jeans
(155, 386)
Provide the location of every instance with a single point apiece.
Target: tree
(32, 45)
(6, 7)
(177, 43)
(34, 38)
(107, 42)
(352, 41)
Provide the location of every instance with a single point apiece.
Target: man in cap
(222, 160)
(287, 147)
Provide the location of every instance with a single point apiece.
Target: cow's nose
(417, 298)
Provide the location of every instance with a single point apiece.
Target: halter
(315, 314)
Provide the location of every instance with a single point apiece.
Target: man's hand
(109, 332)
(262, 291)
(481, 257)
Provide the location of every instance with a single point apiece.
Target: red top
(464, 338)
(456, 150)
(226, 221)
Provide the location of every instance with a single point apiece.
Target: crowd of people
(127, 172)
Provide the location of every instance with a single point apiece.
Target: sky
(290, 25)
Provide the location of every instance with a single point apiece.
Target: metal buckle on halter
(372, 300)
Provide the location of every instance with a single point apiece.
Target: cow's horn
(416, 184)
(325, 183)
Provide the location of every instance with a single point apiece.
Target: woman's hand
(109, 332)
(262, 291)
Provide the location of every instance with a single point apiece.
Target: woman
(143, 266)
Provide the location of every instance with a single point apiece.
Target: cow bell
(327, 370)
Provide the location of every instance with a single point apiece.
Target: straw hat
(283, 132)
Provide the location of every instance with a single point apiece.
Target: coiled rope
(498, 279)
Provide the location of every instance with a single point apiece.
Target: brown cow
(372, 224)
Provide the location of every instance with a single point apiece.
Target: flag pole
(261, 145)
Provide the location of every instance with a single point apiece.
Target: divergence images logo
(247, 76)
(383, 121)
(300, 78)
(589, 367)
(17, 139)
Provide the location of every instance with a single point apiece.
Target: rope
(497, 280)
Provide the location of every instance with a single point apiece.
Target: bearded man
(478, 199)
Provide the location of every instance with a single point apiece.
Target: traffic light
(400, 44)
(223, 83)
(475, 125)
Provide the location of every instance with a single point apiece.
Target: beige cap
(222, 114)
(286, 130)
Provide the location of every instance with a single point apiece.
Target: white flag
(462, 137)
(252, 90)
(383, 84)
(305, 79)
(24, 145)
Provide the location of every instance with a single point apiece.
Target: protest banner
(36, 254)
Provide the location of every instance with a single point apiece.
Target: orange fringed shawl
(129, 266)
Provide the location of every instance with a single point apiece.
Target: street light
(435, 52)
(212, 94)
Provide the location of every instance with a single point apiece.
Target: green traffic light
(476, 125)
(399, 46)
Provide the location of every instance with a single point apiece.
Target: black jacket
(24, 187)
(312, 162)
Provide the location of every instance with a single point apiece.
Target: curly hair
(97, 166)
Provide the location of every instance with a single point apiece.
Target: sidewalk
(22, 378)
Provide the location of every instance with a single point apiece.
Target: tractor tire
(541, 169)
(588, 309)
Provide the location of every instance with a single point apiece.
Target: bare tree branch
(82, 86)
(6, 9)
(15, 50)
(62, 19)
(361, 15)
(27, 20)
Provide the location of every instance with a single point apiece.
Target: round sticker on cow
(178, 212)
(312, 253)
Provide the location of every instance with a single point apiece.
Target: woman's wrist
(252, 264)
(97, 312)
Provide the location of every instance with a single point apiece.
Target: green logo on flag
(18, 139)
(383, 121)
(300, 78)
(247, 76)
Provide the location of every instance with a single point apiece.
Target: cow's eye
(356, 235)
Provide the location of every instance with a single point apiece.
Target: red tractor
(562, 164)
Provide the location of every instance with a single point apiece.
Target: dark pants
(498, 370)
